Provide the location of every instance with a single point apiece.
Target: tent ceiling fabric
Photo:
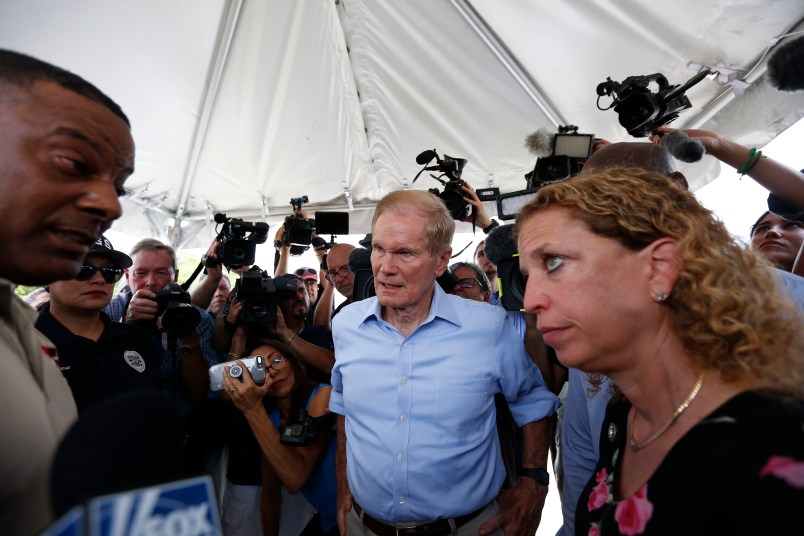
(239, 105)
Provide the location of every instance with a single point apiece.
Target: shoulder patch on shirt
(134, 360)
(52, 353)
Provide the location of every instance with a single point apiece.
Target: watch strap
(539, 475)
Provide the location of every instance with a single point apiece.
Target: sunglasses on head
(306, 271)
(111, 274)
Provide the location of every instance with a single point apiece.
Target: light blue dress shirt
(420, 418)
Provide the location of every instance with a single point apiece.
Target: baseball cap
(102, 246)
(307, 273)
(786, 210)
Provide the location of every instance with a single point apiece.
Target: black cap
(102, 246)
(782, 208)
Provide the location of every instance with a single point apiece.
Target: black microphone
(425, 156)
(683, 147)
(785, 71)
(359, 259)
(126, 442)
(500, 244)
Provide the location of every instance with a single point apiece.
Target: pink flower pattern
(786, 468)
(594, 531)
(633, 513)
(600, 493)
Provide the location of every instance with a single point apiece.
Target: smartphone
(255, 366)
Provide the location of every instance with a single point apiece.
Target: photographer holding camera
(183, 367)
(308, 464)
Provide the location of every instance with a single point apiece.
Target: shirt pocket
(463, 410)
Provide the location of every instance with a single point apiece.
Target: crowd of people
(673, 351)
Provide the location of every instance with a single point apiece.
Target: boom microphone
(683, 147)
(500, 244)
(425, 156)
(125, 442)
(540, 143)
(786, 66)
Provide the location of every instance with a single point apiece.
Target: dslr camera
(305, 429)
(452, 168)
(255, 366)
(640, 110)
(179, 318)
(259, 294)
(238, 239)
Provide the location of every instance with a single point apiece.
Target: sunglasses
(306, 271)
(111, 274)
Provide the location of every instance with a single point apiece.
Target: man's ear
(125, 272)
(443, 261)
(680, 179)
(176, 276)
(662, 256)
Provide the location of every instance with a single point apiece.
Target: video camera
(559, 156)
(179, 318)
(235, 249)
(259, 294)
(642, 111)
(452, 168)
(305, 429)
(299, 230)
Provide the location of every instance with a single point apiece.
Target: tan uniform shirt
(37, 408)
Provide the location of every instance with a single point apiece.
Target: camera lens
(258, 310)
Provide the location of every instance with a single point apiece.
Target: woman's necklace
(635, 445)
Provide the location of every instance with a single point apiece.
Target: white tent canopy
(237, 106)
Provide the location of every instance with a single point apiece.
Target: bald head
(648, 156)
(338, 267)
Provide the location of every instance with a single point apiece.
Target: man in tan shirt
(65, 152)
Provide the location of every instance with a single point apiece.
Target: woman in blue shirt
(310, 468)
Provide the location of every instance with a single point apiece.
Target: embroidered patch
(134, 360)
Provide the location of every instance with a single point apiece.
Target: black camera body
(259, 294)
(238, 239)
(452, 168)
(298, 229)
(179, 317)
(511, 284)
(569, 151)
(305, 429)
(640, 110)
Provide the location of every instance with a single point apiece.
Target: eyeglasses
(111, 274)
(343, 271)
(278, 362)
(469, 282)
(306, 271)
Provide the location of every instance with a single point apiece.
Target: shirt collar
(442, 307)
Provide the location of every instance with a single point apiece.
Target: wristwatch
(539, 475)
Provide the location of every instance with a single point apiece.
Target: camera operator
(184, 370)
(481, 219)
(309, 468)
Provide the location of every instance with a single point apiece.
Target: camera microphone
(359, 259)
(540, 143)
(500, 243)
(425, 156)
(784, 66)
(683, 147)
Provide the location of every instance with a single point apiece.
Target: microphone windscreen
(359, 259)
(540, 143)
(424, 157)
(786, 66)
(500, 243)
(125, 442)
(682, 147)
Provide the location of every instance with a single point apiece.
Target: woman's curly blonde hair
(727, 306)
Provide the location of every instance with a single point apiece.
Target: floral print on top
(738, 471)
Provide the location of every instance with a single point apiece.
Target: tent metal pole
(509, 61)
(223, 43)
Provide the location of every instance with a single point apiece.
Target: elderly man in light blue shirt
(414, 382)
